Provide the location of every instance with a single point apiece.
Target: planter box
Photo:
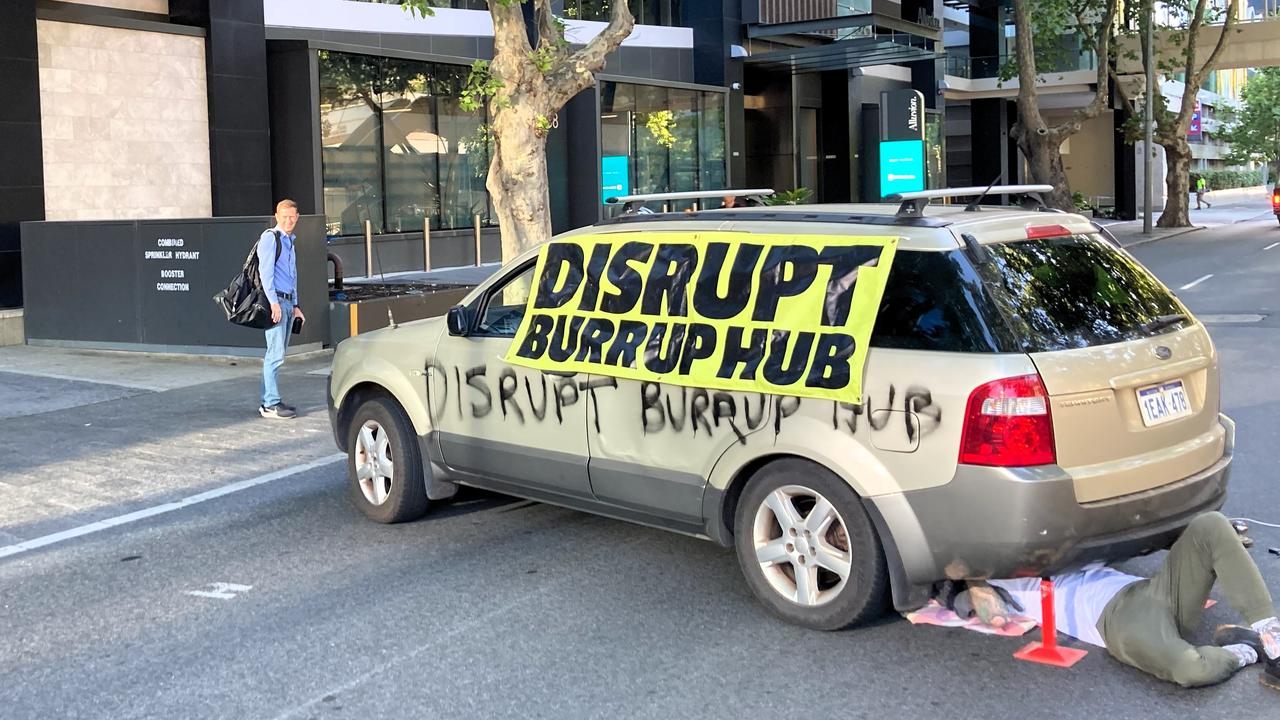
(364, 308)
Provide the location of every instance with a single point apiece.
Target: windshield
(1078, 291)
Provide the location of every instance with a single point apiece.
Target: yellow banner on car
(784, 314)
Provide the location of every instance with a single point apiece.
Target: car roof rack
(913, 203)
(792, 216)
(635, 203)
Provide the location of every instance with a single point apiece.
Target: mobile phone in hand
(297, 325)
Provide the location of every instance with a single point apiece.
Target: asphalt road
(494, 607)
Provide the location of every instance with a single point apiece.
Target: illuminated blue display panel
(901, 166)
(615, 176)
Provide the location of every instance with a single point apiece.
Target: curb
(1181, 231)
(181, 356)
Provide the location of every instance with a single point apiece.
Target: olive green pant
(1145, 623)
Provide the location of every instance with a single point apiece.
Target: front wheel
(384, 464)
(807, 548)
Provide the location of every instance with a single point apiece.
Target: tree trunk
(1177, 180)
(517, 180)
(1044, 162)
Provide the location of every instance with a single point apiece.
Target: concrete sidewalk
(1228, 208)
(88, 435)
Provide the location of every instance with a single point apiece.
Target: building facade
(154, 109)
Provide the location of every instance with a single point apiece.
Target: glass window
(1078, 291)
(660, 139)
(350, 132)
(655, 118)
(410, 145)
(504, 306)
(934, 301)
(397, 149)
(464, 162)
(646, 12)
(711, 142)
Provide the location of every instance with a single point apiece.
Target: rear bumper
(1026, 522)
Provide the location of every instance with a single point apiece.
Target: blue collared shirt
(284, 278)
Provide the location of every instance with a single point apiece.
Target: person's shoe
(1225, 635)
(288, 407)
(276, 412)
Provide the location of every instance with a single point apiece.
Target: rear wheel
(807, 548)
(384, 464)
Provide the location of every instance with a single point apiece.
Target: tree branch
(1101, 31)
(548, 34)
(1227, 27)
(577, 72)
(1028, 103)
(510, 40)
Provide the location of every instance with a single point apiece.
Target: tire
(828, 600)
(384, 463)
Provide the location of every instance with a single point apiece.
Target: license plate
(1163, 403)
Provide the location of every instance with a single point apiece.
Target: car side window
(934, 301)
(505, 303)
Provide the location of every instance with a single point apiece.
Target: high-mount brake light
(1035, 232)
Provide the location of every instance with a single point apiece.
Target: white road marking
(1195, 282)
(221, 591)
(145, 513)
(1271, 245)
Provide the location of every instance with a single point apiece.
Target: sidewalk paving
(88, 435)
(1228, 207)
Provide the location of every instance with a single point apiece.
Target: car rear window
(1077, 291)
(935, 301)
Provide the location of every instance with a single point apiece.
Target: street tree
(1255, 135)
(1046, 31)
(525, 86)
(1178, 31)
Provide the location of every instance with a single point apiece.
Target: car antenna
(973, 206)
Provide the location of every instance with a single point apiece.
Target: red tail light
(1007, 424)
(1275, 200)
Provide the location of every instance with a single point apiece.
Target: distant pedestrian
(1201, 188)
(280, 283)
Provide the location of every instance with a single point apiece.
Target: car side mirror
(459, 321)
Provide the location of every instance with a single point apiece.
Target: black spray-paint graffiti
(658, 411)
(917, 411)
(539, 397)
(548, 393)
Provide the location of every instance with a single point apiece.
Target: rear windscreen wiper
(1161, 322)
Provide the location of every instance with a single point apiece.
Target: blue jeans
(277, 343)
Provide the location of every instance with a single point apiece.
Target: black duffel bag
(244, 301)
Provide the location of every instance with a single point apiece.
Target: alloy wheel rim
(802, 545)
(375, 471)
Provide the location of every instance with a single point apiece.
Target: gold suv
(1007, 393)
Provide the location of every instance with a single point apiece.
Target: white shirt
(1078, 598)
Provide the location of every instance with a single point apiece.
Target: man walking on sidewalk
(280, 282)
(1201, 188)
